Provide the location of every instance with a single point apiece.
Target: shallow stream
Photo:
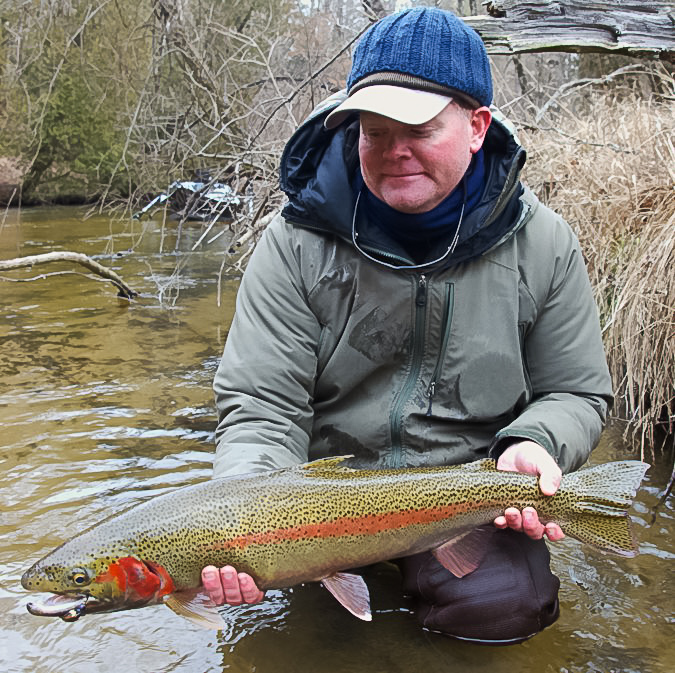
(104, 403)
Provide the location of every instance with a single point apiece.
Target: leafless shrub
(605, 160)
(225, 93)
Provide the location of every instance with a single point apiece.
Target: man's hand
(531, 458)
(227, 586)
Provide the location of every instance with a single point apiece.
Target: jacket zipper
(523, 357)
(448, 309)
(396, 417)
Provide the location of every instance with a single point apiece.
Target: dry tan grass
(606, 162)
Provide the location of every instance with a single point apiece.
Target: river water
(104, 403)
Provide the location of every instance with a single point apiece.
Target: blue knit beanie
(424, 48)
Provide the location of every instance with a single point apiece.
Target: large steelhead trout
(310, 523)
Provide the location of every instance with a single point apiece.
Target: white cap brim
(409, 106)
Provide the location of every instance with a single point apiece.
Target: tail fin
(602, 497)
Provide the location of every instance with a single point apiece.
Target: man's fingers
(532, 527)
(230, 582)
(225, 585)
(554, 532)
(510, 519)
(212, 584)
(528, 522)
(529, 457)
(549, 480)
(249, 591)
(514, 518)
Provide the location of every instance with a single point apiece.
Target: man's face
(413, 168)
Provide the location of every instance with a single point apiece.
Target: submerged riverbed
(104, 403)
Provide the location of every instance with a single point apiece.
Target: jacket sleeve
(563, 352)
(264, 384)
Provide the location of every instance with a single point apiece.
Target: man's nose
(397, 146)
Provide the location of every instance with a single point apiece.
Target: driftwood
(64, 256)
(629, 27)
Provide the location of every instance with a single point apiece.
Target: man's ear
(480, 122)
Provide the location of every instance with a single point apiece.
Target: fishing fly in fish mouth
(314, 522)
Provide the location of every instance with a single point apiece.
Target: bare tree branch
(65, 256)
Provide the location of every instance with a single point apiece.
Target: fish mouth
(69, 607)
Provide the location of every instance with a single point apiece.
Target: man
(414, 304)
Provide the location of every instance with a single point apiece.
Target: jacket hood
(316, 171)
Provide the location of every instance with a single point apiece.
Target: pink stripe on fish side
(368, 524)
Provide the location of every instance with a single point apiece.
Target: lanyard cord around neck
(447, 253)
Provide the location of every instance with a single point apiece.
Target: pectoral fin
(197, 607)
(463, 553)
(352, 592)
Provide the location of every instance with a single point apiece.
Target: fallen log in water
(65, 256)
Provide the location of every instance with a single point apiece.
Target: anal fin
(463, 553)
(351, 592)
(196, 606)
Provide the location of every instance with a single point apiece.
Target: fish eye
(79, 577)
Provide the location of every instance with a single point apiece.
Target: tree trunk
(629, 27)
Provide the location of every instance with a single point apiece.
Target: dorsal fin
(326, 463)
(483, 465)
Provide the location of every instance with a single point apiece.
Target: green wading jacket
(332, 353)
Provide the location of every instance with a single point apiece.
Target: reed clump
(606, 162)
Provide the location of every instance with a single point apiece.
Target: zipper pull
(431, 391)
(421, 297)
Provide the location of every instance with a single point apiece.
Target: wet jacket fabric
(331, 352)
